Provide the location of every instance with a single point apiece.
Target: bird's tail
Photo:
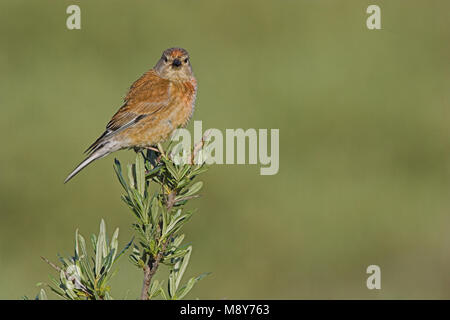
(98, 153)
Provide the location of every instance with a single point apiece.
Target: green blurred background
(364, 141)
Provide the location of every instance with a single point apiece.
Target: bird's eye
(186, 60)
(165, 59)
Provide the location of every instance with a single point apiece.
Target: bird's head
(174, 65)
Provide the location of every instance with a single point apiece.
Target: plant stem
(153, 262)
(149, 271)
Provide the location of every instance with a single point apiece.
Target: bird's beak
(176, 63)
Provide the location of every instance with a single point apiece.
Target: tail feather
(96, 143)
(97, 154)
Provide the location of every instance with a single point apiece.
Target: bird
(160, 101)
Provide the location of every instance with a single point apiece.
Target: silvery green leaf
(153, 171)
(85, 273)
(135, 256)
(164, 221)
(140, 174)
(42, 295)
(172, 170)
(101, 281)
(176, 228)
(198, 170)
(77, 254)
(115, 243)
(57, 292)
(175, 243)
(183, 183)
(155, 289)
(146, 210)
(109, 276)
(65, 262)
(131, 179)
(107, 263)
(99, 252)
(124, 249)
(67, 285)
(137, 199)
(118, 170)
(108, 296)
(185, 289)
(103, 235)
(190, 284)
(164, 294)
(134, 260)
(96, 295)
(94, 242)
(183, 266)
(177, 218)
(194, 189)
(154, 209)
(172, 282)
(152, 246)
(176, 254)
(84, 259)
(184, 170)
(73, 274)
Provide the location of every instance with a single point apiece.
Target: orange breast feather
(163, 105)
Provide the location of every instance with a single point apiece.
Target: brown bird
(157, 103)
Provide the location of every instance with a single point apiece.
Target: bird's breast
(160, 125)
(183, 95)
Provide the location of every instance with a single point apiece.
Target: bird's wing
(147, 95)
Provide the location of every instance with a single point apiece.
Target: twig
(199, 146)
(170, 200)
(153, 262)
(150, 270)
(54, 266)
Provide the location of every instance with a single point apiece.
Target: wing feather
(146, 96)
